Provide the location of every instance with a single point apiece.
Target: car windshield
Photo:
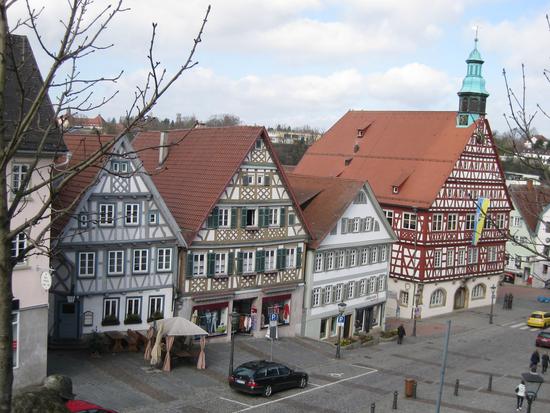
(536, 315)
(545, 335)
(243, 372)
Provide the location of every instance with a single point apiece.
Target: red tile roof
(200, 165)
(324, 200)
(530, 200)
(416, 150)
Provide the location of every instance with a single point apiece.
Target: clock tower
(473, 95)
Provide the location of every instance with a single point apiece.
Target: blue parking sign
(273, 317)
(340, 321)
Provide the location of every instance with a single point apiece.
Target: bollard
(457, 383)
(490, 386)
(394, 405)
(372, 408)
(414, 390)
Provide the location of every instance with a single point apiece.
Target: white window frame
(111, 303)
(120, 167)
(371, 285)
(133, 302)
(248, 261)
(501, 219)
(319, 259)
(438, 258)
(131, 214)
(383, 253)
(350, 290)
(356, 225)
(18, 175)
(353, 258)
(437, 298)
(381, 283)
(479, 291)
(329, 258)
(470, 222)
(154, 305)
(473, 255)
(220, 263)
(18, 244)
(437, 222)
(364, 256)
(373, 259)
(106, 215)
(199, 264)
(153, 217)
(248, 179)
(363, 287)
(404, 298)
(461, 256)
(450, 259)
(270, 256)
(492, 253)
(88, 257)
(338, 291)
(341, 259)
(409, 220)
(291, 257)
(141, 257)
(327, 298)
(389, 216)
(316, 297)
(273, 215)
(115, 262)
(164, 259)
(224, 217)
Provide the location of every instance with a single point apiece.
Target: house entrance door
(460, 298)
(68, 320)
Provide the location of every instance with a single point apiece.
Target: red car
(543, 339)
(81, 406)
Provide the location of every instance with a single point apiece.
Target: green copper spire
(472, 95)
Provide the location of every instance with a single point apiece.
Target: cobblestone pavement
(363, 376)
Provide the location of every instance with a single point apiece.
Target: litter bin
(409, 387)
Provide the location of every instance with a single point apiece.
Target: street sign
(273, 317)
(340, 321)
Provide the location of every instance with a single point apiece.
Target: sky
(307, 62)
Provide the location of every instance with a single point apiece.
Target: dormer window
(395, 189)
(355, 148)
(360, 133)
(258, 144)
(347, 162)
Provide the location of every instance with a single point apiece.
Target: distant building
(74, 124)
(290, 137)
(518, 178)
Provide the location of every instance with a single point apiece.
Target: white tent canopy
(179, 326)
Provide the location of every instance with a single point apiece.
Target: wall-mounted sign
(88, 318)
(46, 280)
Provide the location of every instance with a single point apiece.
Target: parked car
(81, 406)
(265, 377)
(543, 339)
(539, 319)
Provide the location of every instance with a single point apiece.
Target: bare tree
(83, 33)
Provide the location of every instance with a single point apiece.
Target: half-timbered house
(429, 171)
(244, 230)
(347, 256)
(116, 253)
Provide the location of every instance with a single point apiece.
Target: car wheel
(303, 382)
(268, 391)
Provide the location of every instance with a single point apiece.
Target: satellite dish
(46, 280)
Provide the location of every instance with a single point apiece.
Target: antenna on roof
(476, 28)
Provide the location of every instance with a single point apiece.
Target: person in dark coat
(545, 359)
(535, 360)
(400, 334)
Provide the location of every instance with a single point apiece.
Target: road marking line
(307, 391)
(524, 328)
(362, 367)
(313, 384)
(518, 325)
(235, 401)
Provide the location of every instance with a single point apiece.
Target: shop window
(333, 325)
(323, 332)
(279, 305)
(212, 318)
(478, 291)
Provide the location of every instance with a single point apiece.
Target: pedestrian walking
(545, 359)
(520, 395)
(535, 360)
(400, 334)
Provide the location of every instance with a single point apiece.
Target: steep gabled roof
(418, 150)
(199, 166)
(531, 201)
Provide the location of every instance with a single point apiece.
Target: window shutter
(282, 219)
(239, 263)
(210, 264)
(350, 225)
(267, 180)
(215, 217)
(189, 263)
(210, 221)
(344, 226)
(230, 263)
(299, 257)
(291, 219)
(280, 263)
(243, 217)
(363, 227)
(233, 217)
(262, 217)
(260, 261)
(285, 254)
(245, 180)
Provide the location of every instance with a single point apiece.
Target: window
(15, 338)
(478, 291)
(389, 216)
(516, 221)
(199, 264)
(500, 221)
(450, 257)
(153, 217)
(351, 290)
(383, 253)
(404, 298)
(472, 255)
(106, 215)
(437, 224)
(270, 260)
(363, 286)
(452, 220)
(110, 308)
(164, 259)
(248, 180)
(19, 174)
(323, 332)
(292, 221)
(248, 261)
(119, 166)
(409, 220)
(260, 179)
(220, 263)
(470, 221)
(156, 307)
(341, 259)
(545, 269)
(318, 262)
(86, 264)
(373, 255)
(224, 217)
(353, 258)
(328, 295)
(258, 144)
(115, 263)
(291, 258)
(461, 256)
(437, 298)
(18, 245)
(316, 297)
(492, 253)
(437, 258)
(518, 261)
(381, 283)
(356, 224)
(329, 261)
(364, 256)
(338, 293)
(372, 285)
(83, 220)
(361, 198)
(273, 217)
(133, 307)
(251, 217)
(140, 261)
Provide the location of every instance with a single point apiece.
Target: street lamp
(416, 298)
(234, 318)
(341, 309)
(532, 384)
(493, 289)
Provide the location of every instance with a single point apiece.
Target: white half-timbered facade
(117, 264)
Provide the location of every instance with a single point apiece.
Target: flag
(482, 206)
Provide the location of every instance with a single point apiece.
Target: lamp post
(341, 309)
(493, 289)
(532, 385)
(416, 299)
(234, 316)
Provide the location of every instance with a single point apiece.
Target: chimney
(163, 147)
(529, 184)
